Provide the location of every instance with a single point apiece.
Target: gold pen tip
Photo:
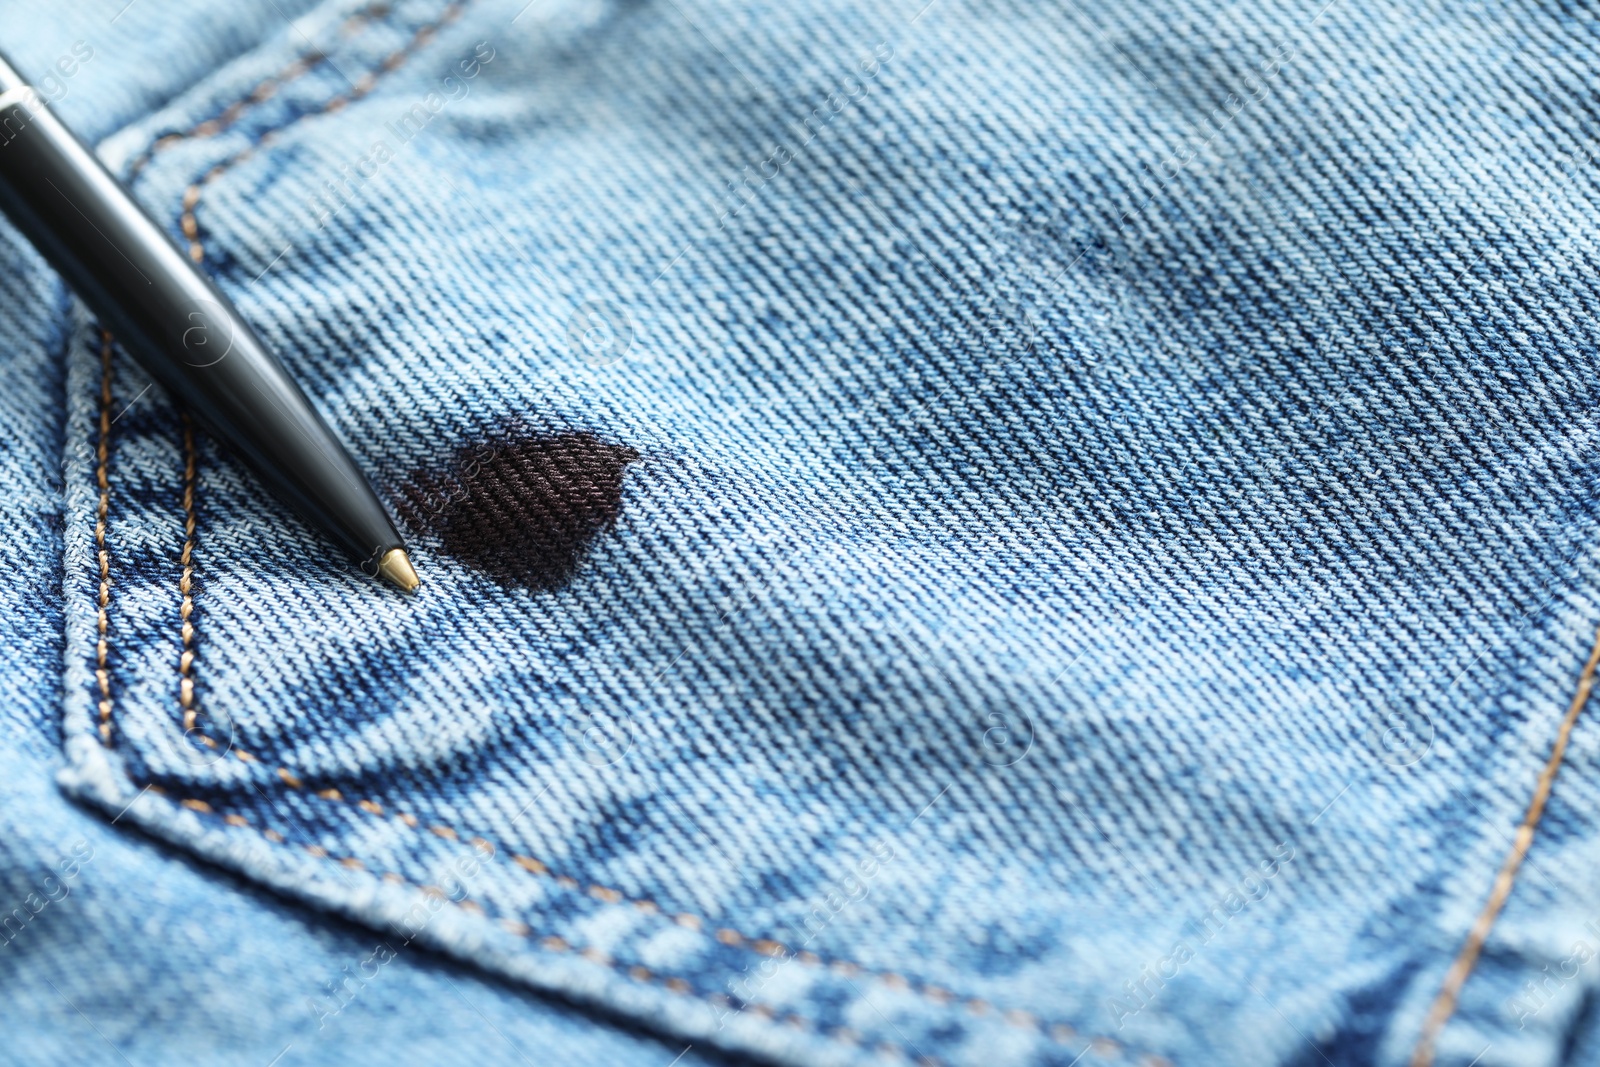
(396, 566)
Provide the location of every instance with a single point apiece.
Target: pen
(181, 328)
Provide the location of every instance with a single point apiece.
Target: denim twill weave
(1108, 552)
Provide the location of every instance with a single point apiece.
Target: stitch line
(762, 946)
(1058, 1032)
(190, 224)
(1449, 996)
(550, 943)
(102, 672)
(186, 581)
(303, 64)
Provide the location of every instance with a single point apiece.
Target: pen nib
(396, 566)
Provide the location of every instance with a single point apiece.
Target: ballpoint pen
(181, 327)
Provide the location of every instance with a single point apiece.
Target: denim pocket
(858, 621)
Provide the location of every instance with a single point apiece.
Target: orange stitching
(1061, 1033)
(1444, 1005)
(102, 673)
(186, 657)
(1055, 1031)
(186, 581)
(191, 196)
(263, 92)
(515, 927)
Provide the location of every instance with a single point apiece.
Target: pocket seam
(102, 477)
(1449, 995)
(223, 120)
(188, 221)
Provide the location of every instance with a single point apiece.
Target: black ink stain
(522, 508)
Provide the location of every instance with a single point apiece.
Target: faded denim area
(1031, 534)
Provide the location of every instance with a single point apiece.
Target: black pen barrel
(177, 323)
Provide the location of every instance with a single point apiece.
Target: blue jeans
(1032, 535)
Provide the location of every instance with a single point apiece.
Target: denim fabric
(1075, 521)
